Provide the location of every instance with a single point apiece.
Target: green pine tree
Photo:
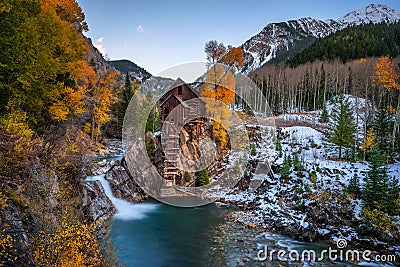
(324, 115)
(127, 92)
(354, 186)
(313, 178)
(382, 127)
(298, 167)
(153, 121)
(202, 178)
(253, 150)
(285, 169)
(376, 192)
(279, 147)
(343, 122)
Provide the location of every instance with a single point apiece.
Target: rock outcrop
(96, 205)
(123, 185)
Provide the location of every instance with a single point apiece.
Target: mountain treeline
(354, 42)
(127, 66)
(55, 100)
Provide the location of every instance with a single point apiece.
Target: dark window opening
(179, 90)
(166, 112)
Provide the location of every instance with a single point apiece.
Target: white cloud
(140, 28)
(100, 46)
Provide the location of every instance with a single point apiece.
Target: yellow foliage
(369, 140)
(96, 94)
(393, 110)
(72, 103)
(15, 123)
(397, 204)
(135, 86)
(87, 128)
(6, 248)
(380, 220)
(59, 111)
(385, 74)
(5, 7)
(17, 145)
(96, 132)
(220, 133)
(361, 61)
(73, 99)
(100, 98)
(73, 244)
(19, 135)
(100, 115)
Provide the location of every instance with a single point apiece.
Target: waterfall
(125, 210)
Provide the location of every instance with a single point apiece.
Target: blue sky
(160, 34)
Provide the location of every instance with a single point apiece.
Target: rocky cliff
(123, 184)
(97, 205)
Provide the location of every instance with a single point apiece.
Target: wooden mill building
(172, 120)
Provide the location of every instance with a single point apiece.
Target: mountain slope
(283, 40)
(127, 66)
(355, 42)
(373, 13)
(278, 36)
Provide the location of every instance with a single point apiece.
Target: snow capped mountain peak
(277, 37)
(262, 47)
(374, 13)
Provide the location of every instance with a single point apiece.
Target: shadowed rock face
(123, 185)
(96, 205)
(14, 223)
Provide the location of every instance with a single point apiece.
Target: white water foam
(125, 210)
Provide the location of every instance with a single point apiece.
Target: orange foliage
(385, 74)
(105, 98)
(220, 86)
(235, 56)
(81, 71)
(67, 10)
(222, 83)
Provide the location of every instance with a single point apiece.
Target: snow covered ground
(305, 206)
